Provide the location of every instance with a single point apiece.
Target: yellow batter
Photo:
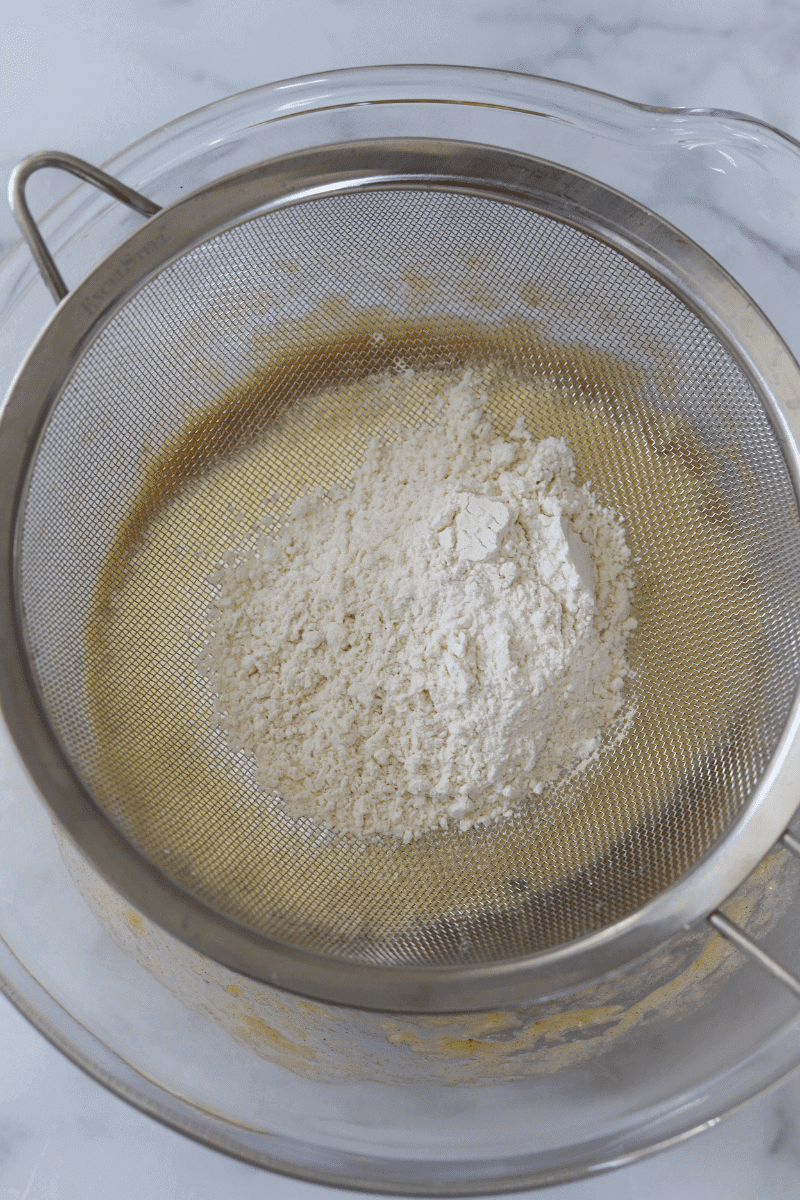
(166, 775)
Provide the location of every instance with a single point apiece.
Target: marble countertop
(91, 76)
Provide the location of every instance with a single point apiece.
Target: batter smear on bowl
(429, 647)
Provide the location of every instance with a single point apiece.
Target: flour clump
(434, 645)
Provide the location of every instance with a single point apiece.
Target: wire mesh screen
(237, 379)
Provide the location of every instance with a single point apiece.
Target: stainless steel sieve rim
(392, 163)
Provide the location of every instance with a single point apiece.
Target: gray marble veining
(93, 77)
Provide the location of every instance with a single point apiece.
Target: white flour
(432, 646)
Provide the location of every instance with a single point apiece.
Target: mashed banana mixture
(194, 805)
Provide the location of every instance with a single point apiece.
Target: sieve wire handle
(740, 939)
(82, 170)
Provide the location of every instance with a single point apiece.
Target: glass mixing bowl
(468, 1104)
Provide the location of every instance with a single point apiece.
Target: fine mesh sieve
(216, 370)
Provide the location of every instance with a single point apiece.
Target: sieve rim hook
(738, 938)
(81, 170)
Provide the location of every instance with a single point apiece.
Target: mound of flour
(432, 646)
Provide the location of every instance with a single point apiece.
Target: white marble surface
(90, 76)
